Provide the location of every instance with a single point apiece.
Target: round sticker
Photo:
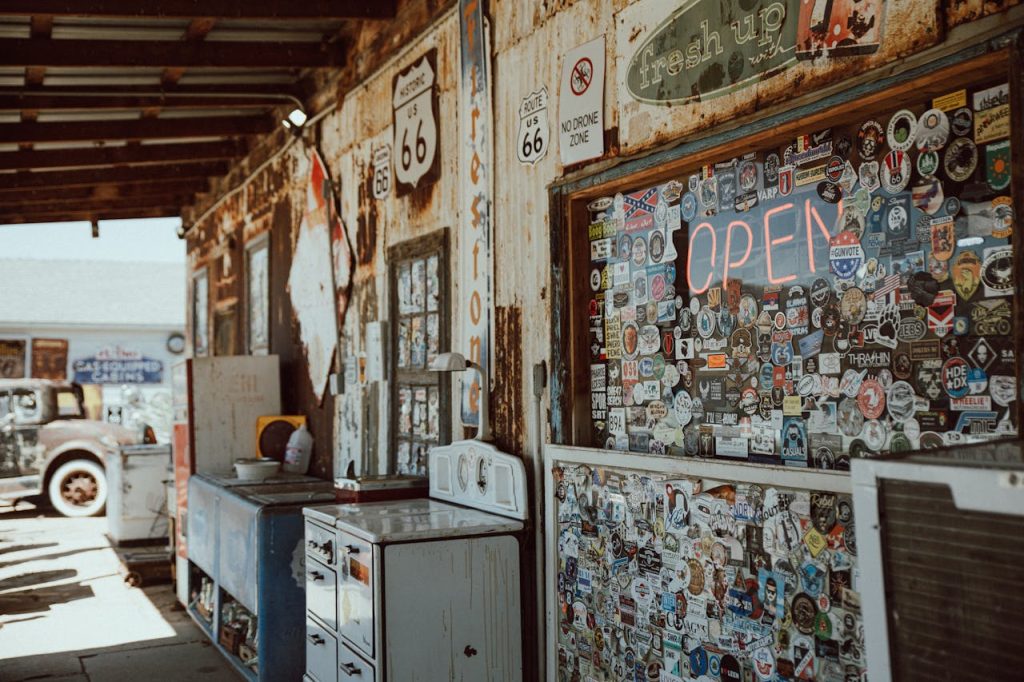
(639, 251)
(932, 130)
(630, 340)
(901, 130)
(895, 172)
(962, 122)
(871, 398)
(764, 663)
(656, 247)
(869, 139)
(954, 377)
(854, 305)
(595, 279)
(961, 159)
(688, 207)
(705, 323)
(804, 612)
(874, 435)
(682, 408)
(821, 292)
(928, 163)
(900, 401)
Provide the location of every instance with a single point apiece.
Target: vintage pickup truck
(47, 446)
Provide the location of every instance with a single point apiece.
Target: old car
(48, 447)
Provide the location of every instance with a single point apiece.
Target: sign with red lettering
(475, 191)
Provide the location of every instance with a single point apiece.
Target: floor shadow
(23, 548)
(34, 601)
(37, 578)
(51, 557)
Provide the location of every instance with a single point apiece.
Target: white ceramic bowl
(256, 469)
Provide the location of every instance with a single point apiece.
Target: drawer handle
(317, 640)
(350, 669)
(316, 575)
(351, 549)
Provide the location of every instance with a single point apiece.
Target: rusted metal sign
(417, 161)
(12, 358)
(50, 359)
(475, 177)
(706, 48)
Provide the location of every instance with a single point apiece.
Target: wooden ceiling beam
(44, 99)
(28, 52)
(112, 156)
(127, 175)
(170, 128)
(66, 216)
(222, 9)
(94, 205)
(112, 193)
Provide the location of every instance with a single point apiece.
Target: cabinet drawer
(356, 578)
(321, 653)
(352, 668)
(321, 586)
(320, 544)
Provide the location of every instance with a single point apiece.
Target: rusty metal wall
(527, 42)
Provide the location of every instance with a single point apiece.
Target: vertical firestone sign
(475, 177)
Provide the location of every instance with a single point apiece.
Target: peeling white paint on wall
(309, 282)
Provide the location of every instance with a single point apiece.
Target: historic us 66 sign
(415, 115)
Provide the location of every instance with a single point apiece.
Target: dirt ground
(67, 614)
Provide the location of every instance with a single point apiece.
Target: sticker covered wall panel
(845, 293)
(669, 578)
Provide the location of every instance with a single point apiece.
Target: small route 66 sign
(415, 117)
(381, 178)
(534, 133)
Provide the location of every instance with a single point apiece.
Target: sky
(149, 240)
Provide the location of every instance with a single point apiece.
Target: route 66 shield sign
(532, 140)
(415, 117)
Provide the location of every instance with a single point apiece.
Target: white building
(103, 324)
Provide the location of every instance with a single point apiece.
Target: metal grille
(953, 586)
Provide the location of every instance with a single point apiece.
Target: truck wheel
(78, 488)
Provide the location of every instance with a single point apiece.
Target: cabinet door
(356, 583)
(452, 610)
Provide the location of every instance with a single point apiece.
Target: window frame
(260, 243)
(569, 216)
(419, 248)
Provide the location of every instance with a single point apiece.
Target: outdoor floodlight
(457, 362)
(296, 119)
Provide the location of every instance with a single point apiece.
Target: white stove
(423, 589)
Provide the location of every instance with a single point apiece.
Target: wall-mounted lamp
(456, 362)
(295, 121)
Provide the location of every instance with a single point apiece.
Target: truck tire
(78, 488)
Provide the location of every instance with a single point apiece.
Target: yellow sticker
(953, 100)
(815, 541)
(805, 176)
(792, 405)
(992, 124)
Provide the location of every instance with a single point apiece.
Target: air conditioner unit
(272, 433)
(941, 551)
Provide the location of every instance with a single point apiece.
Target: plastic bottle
(298, 451)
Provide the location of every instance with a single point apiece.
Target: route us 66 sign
(415, 116)
(380, 175)
(534, 133)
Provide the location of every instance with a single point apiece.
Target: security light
(296, 119)
(457, 362)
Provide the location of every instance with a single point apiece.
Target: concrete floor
(67, 615)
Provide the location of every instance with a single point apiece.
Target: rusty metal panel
(964, 11)
(908, 26)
